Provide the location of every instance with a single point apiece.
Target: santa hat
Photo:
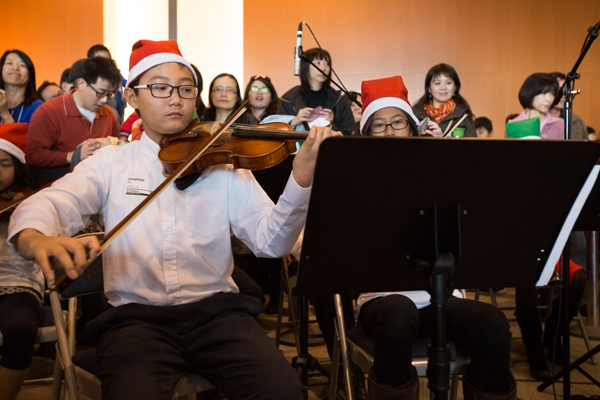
(381, 93)
(12, 139)
(146, 54)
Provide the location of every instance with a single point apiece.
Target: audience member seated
(263, 97)
(18, 99)
(224, 99)
(537, 97)
(483, 128)
(21, 282)
(62, 124)
(442, 104)
(49, 90)
(117, 103)
(395, 319)
(578, 129)
(65, 83)
(314, 101)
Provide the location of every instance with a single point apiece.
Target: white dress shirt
(179, 249)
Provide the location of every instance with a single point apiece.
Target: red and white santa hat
(146, 54)
(12, 139)
(381, 93)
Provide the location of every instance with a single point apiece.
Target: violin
(196, 143)
(249, 147)
(12, 196)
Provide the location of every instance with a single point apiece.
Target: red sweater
(57, 128)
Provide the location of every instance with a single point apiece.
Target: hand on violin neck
(57, 252)
(306, 159)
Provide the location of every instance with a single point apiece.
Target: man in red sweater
(62, 124)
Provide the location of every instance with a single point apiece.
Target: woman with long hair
(315, 93)
(263, 97)
(224, 99)
(442, 103)
(18, 96)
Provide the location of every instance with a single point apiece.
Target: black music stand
(588, 220)
(384, 212)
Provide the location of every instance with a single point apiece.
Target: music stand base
(593, 332)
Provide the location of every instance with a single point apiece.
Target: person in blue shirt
(18, 97)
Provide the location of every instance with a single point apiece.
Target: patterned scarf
(441, 112)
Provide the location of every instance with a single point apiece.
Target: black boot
(538, 367)
(406, 391)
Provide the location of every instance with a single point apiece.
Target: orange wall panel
(493, 45)
(53, 33)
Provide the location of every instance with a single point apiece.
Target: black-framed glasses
(101, 95)
(164, 90)
(397, 125)
(256, 89)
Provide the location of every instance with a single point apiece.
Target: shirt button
(169, 231)
(169, 266)
(173, 299)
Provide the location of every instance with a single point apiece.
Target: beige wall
(494, 45)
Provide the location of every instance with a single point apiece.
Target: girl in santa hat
(21, 282)
(395, 319)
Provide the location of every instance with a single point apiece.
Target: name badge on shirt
(137, 186)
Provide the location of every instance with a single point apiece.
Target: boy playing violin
(169, 273)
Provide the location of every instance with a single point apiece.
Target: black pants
(528, 316)
(144, 350)
(479, 328)
(20, 316)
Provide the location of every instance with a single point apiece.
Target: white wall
(209, 33)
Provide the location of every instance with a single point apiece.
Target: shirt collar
(150, 147)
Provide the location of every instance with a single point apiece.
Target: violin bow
(112, 235)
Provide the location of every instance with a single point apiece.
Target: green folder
(527, 128)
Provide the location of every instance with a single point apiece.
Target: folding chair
(77, 369)
(359, 348)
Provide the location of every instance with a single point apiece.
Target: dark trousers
(477, 328)
(20, 316)
(528, 316)
(144, 350)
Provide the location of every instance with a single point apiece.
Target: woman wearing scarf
(443, 104)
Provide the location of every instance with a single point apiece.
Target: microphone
(298, 50)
